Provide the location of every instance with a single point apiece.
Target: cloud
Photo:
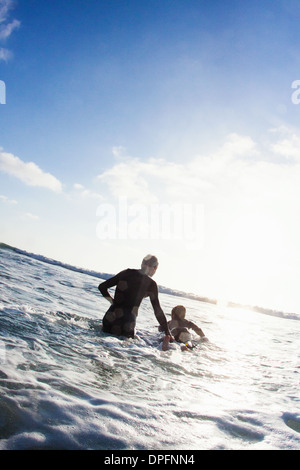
(118, 151)
(237, 145)
(6, 27)
(29, 216)
(128, 179)
(5, 54)
(6, 200)
(288, 145)
(239, 174)
(155, 180)
(87, 193)
(78, 186)
(5, 6)
(29, 172)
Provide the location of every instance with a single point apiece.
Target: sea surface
(64, 384)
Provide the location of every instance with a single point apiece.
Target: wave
(162, 289)
(44, 259)
(266, 311)
(97, 274)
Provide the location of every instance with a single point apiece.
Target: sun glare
(251, 250)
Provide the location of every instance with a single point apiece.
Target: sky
(168, 127)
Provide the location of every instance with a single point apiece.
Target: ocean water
(64, 384)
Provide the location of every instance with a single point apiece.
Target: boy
(179, 328)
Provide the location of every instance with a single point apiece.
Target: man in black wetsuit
(132, 285)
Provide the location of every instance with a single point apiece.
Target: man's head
(149, 265)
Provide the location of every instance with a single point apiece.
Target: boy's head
(178, 312)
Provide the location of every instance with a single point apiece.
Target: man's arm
(158, 311)
(104, 286)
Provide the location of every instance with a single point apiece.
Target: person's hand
(165, 343)
(109, 299)
(171, 338)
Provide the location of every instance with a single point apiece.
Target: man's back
(131, 287)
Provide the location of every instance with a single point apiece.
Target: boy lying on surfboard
(179, 327)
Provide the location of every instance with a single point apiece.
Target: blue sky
(156, 103)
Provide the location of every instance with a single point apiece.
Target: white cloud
(5, 6)
(237, 145)
(158, 179)
(5, 54)
(78, 186)
(30, 216)
(29, 172)
(288, 145)
(239, 171)
(7, 200)
(87, 193)
(6, 27)
(128, 179)
(118, 151)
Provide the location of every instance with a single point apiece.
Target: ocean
(64, 384)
